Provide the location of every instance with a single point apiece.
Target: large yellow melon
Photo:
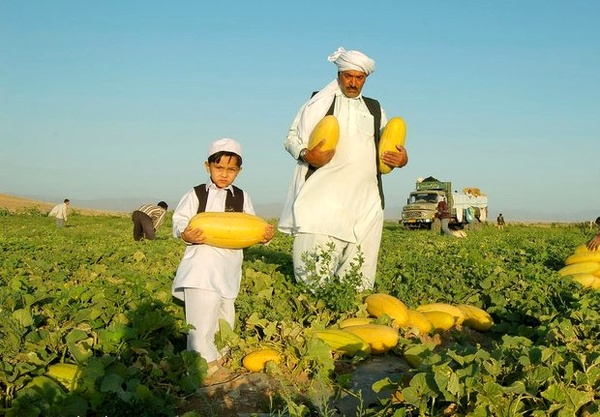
(394, 133)
(328, 128)
(230, 230)
(380, 304)
(380, 338)
(257, 360)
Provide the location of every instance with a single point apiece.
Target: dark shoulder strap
(233, 202)
(202, 195)
(375, 110)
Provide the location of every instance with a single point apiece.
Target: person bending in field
(208, 278)
(147, 219)
(59, 212)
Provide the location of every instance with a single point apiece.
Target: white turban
(352, 61)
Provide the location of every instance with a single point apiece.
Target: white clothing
(352, 61)
(203, 309)
(343, 255)
(340, 199)
(59, 211)
(203, 266)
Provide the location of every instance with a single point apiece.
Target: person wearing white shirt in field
(208, 278)
(336, 196)
(59, 212)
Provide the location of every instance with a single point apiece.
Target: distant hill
(16, 204)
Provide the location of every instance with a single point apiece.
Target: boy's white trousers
(203, 309)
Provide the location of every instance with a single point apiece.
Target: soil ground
(257, 394)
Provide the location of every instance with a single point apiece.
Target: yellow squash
(582, 249)
(393, 134)
(446, 308)
(417, 320)
(341, 341)
(355, 321)
(230, 230)
(66, 374)
(588, 281)
(586, 267)
(380, 304)
(440, 320)
(380, 338)
(328, 128)
(257, 360)
(476, 318)
(583, 257)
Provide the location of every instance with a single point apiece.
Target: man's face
(351, 82)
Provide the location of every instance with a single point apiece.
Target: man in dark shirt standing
(147, 219)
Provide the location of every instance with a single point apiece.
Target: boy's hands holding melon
(193, 235)
(269, 232)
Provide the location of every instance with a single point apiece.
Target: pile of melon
(583, 266)
(363, 336)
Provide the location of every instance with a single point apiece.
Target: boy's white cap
(225, 145)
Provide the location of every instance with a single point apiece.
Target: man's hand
(395, 159)
(193, 235)
(317, 157)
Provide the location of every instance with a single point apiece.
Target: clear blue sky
(120, 99)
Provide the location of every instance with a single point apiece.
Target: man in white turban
(335, 200)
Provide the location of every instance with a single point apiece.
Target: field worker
(147, 219)
(336, 196)
(59, 212)
(208, 278)
(443, 213)
(500, 221)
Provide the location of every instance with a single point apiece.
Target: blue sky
(120, 99)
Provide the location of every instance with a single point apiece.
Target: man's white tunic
(340, 199)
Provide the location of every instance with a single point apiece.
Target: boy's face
(223, 172)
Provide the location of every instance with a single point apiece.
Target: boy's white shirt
(204, 266)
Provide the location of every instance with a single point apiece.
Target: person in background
(147, 219)
(59, 212)
(208, 278)
(500, 221)
(443, 213)
(335, 200)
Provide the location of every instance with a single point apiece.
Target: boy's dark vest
(375, 110)
(233, 202)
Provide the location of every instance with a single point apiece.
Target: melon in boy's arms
(231, 230)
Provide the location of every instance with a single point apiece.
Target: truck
(468, 206)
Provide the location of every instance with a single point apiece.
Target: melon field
(88, 327)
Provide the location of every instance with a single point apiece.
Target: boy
(208, 278)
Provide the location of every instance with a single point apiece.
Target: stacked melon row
(583, 266)
(362, 336)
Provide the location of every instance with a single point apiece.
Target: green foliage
(88, 294)
(337, 292)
